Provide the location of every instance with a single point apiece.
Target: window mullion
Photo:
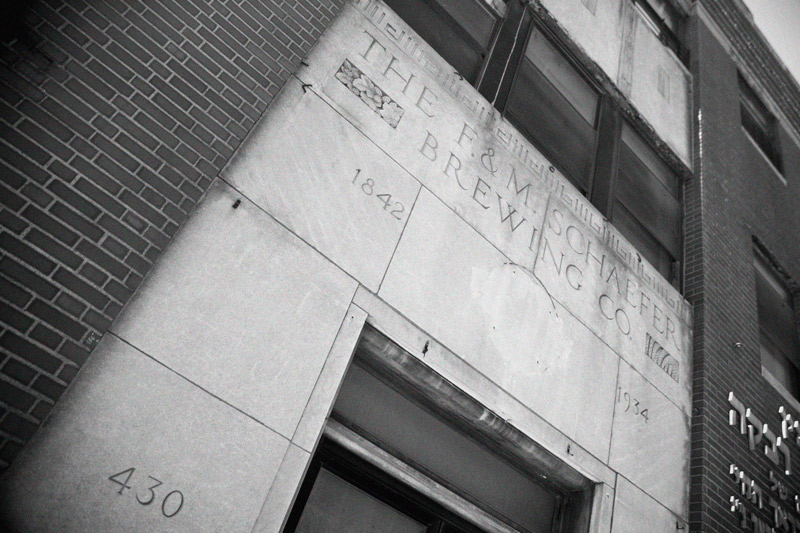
(606, 157)
(498, 74)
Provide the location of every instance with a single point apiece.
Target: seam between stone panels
(368, 138)
(614, 409)
(287, 228)
(453, 211)
(400, 238)
(259, 422)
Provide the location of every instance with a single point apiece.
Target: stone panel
(660, 90)
(636, 512)
(241, 307)
(475, 384)
(130, 412)
(502, 321)
(595, 26)
(650, 442)
(313, 171)
(448, 136)
(587, 267)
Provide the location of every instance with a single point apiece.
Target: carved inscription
(570, 250)
(497, 190)
(416, 72)
(632, 405)
(367, 186)
(421, 54)
(369, 93)
(145, 493)
(662, 358)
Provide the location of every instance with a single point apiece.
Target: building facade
(430, 265)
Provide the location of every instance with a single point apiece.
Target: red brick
(26, 253)
(16, 425)
(49, 387)
(13, 318)
(14, 396)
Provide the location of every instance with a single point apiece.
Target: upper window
(759, 123)
(556, 107)
(584, 135)
(461, 31)
(780, 346)
(647, 204)
(545, 93)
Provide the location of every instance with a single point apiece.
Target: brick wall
(115, 116)
(757, 54)
(734, 198)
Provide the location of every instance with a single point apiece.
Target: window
(583, 134)
(461, 31)
(759, 124)
(647, 204)
(780, 347)
(344, 493)
(405, 450)
(542, 89)
(556, 107)
(347, 493)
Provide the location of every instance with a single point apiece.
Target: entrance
(344, 494)
(404, 450)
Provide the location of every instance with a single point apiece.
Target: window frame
(337, 454)
(582, 501)
(453, 25)
(600, 119)
(604, 176)
(500, 74)
(668, 35)
(764, 268)
(754, 114)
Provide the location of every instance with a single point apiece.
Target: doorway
(404, 450)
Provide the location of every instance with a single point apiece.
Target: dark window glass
(643, 241)
(647, 209)
(780, 346)
(576, 126)
(759, 123)
(335, 505)
(552, 104)
(461, 31)
(343, 492)
(662, 12)
(443, 451)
